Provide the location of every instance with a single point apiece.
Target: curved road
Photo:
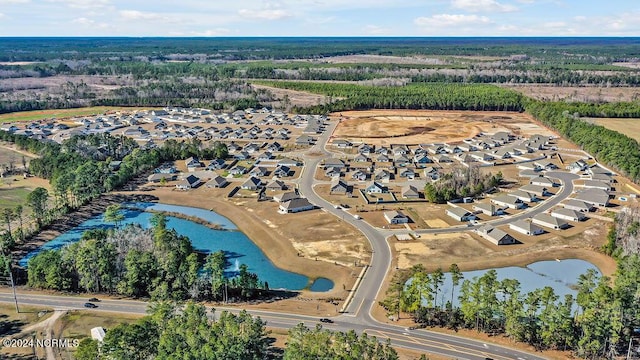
(357, 314)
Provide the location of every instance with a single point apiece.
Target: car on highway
(90, 305)
(325, 320)
(94, 300)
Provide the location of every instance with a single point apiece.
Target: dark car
(325, 320)
(94, 300)
(90, 305)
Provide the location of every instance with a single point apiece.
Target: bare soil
(576, 93)
(385, 127)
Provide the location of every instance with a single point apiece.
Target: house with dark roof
(217, 182)
(189, 182)
(376, 188)
(339, 187)
(275, 185)
(252, 183)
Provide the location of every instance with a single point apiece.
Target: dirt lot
(629, 127)
(299, 98)
(583, 94)
(385, 127)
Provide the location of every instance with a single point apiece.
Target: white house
(508, 201)
(252, 183)
(488, 209)
(568, 214)
(217, 182)
(549, 221)
(496, 236)
(577, 205)
(188, 183)
(526, 227)
(376, 188)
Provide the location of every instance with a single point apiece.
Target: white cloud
(482, 6)
(141, 15)
(451, 20)
(3, 2)
(81, 4)
(1, 15)
(212, 32)
(83, 21)
(264, 14)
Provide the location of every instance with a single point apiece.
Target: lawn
(12, 196)
(58, 113)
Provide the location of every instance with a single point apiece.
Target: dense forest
(170, 333)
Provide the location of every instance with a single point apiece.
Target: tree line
(597, 323)
(460, 182)
(193, 332)
(157, 263)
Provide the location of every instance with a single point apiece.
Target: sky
(319, 18)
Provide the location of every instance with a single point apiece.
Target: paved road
(418, 340)
(357, 314)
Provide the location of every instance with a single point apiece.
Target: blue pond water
(236, 245)
(559, 275)
(321, 284)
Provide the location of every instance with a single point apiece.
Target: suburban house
(421, 159)
(282, 171)
(594, 184)
(276, 185)
(568, 214)
(523, 196)
(333, 172)
(577, 205)
(396, 217)
(602, 177)
(342, 144)
(526, 227)
(238, 170)
(488, 209)
(193, 163)
(376, 188)
(359, 175)
(216, 164)
(156, 178)
(596, 197)
(547, 165)
(408, 173)
(259, 171)
(496, 236)
(543, 181)
(217, 182)
(334, 163)
(296, 205)
(383, 175)
(410, 192)
(189, 182)
(339, 187)
(442, 159)
(460, 214)
(284, 197)
(577, 166)
(536, 190)
(529, 166)
(252, 183)
(509, 201)
(288, 162)
(361, 158)
(549, 221)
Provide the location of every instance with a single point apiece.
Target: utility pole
(13, 285)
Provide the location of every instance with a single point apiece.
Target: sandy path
(46, 326)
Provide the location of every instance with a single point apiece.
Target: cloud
(1, 15)
(3, 2)
(141, 15)
(451, 20)
(264, 14)
(81, 4)
(212, 32)
(482, 6)
(83, 21)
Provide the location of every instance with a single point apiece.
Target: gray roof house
(284, 197)
(376, 188)
(568, 214)
(410, 192)
(252, 183)
(549, 221)
(577, 205)
(526, 227)
(396, 217)
(543, 181)
(536, 190)
(596, 197)
(488, 209)
(217, 182)
(189, 182)
(496, 236)
(509, 201)
(523, 195)
(296, 205)
(460, 214)
(339, 187)
(276, 185)
(594, 184)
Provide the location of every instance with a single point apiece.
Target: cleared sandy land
(382, 59)
(629, 127)
(384, 127)
(576, 93)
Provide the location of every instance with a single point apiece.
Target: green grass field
(60, 113)
(12, 196)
